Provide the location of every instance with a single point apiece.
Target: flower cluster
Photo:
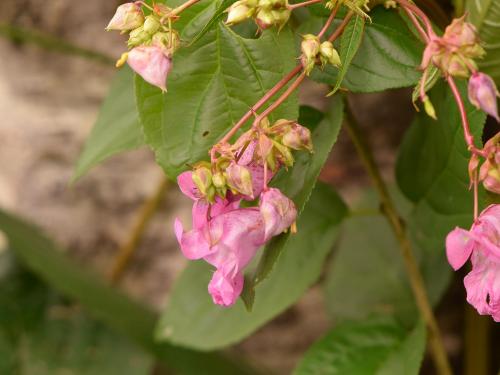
(315, 52)
(266, 13)
(482, 245)
(152, 40)
(223, 233)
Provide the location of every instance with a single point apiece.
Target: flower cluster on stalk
(224, 233)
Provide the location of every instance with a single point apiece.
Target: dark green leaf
(117, 128)
(485, 15)
(298, 185)
(388, 56)
(136, 321)
(191, 319)
(212, 85)
(373, 346)
(217, 16)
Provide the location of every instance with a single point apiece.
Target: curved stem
(341, 27)
(415, 277)
(416, 10)
(329, 21)
(304, 4)
(146, 212)
(417, 25)
(182, 7)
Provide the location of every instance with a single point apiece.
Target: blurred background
(56, 69)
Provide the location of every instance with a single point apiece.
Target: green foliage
(485, 15)
(432, 173)
(213, 84)
(191, 319)
(117, 128)
(387, 57)
(374, 346)
(131, 319)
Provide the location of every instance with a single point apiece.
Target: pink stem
(416, 10)
(417, 25)
(329, 21)
(184, 6)
(304, 4)
(341, 27)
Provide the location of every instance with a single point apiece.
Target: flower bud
(278, 212)
(264, 19)
(310, 47)
(455, 66)
(151, 25)
(151, 64)
(138, 37)
(265, 146)
(168, 41)
(239, 179)
(429, 108)
(329, 54)
(202, 178)
(239, 12)
(219, 180)
(489, 173)
(128, 16)
(298, 137)
(460, 33)
(483, 94)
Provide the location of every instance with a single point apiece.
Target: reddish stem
(304, 4)
(329, 21)
(183, 7)
(341, 27)
(417, 25)
(423, 17)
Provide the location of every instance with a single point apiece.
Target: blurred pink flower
(482, 245)
(151, 64)
(278, 212)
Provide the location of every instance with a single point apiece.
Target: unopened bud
(455, 66)
(202, 178)
(168, 41)
(310, 47)
(483, 94)
(284, 155)
(265, 146)
(151, 24)
(264, 19)
(429, 108)
(239, 12)
(219, 180)
(298, 137)
(329, 54)
(239, 179)
(138, 37)
(127, 17)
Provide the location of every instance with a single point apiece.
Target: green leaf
(298, 183)
(131, 319)
(432, 173)
(373, 346)
(485, 15)
(387, 58)
(117, 128)
(191, 319)
(217, 16)
(212, 85)
(349, 45)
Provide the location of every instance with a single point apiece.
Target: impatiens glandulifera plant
(247, 169)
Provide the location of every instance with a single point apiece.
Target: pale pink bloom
(483, 94)
(151, 64)
(278, 212)
(225, 289)
(128, 16)
(482, 245)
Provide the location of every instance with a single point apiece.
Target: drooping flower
(489, 173)
(483, 94)
(128, 16)
(482, 245)
(151, 64)
(278, 212)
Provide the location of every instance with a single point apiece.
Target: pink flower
(489, 173)
(483, 94)
(151, 64)
(227, 241)
(278, 212)
(482, 245)
(128, 16)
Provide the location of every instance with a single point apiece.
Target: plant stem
(280, 100)
(304, 4)
(183, 7)
(341, 27)
(417, 25)
(329, 21)
(145, 214)
(392, 215)
(416, 10)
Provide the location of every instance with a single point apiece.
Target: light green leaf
(132, 319)
(298, 183)
(191, 319)
(213, 83)
(117, 128)
(485, 15)
(387, 58)
(374, 346)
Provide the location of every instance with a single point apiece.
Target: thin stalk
(423, 17)
(145, 214)
(280, 100)
(477, 343)
(417, 25)
(304, 4)
(329, 21)
(340, 29)
(183, 7)
(415, 277)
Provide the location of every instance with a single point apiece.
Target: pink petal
(458, 247)
(225, 289)
(151, 64)
(187, 186)
(194, 244)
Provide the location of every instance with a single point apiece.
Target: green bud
(310, 47)
(329, 54)
(239, 12)
(151, 25)
(169, 41)
(429, 108)
(202, 178)
(138, 37)
(219, 180)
